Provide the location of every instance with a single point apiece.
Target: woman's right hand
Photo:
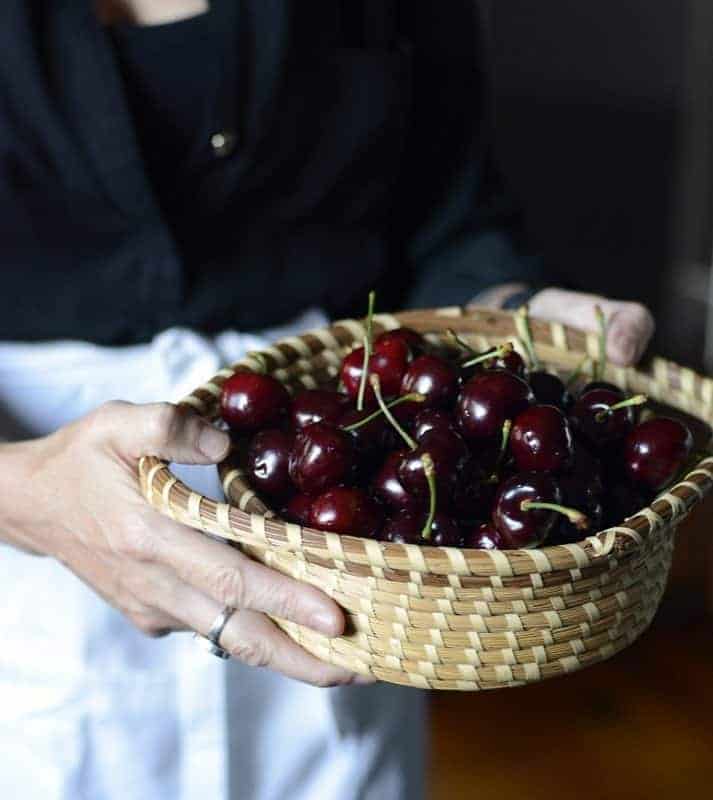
(75, 498)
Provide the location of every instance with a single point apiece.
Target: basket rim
(262, 527)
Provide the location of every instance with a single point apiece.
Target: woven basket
(445, 618)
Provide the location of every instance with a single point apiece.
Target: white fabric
(90, 708)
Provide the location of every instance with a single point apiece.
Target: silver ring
(211, 641)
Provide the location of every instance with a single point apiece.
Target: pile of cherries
(449, 447)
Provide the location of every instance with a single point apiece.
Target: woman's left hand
(630, 325)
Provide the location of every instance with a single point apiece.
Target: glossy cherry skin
(448, 459)
(530, 528)
(432, 419)
(407, 527)
(623, 501)
(487, 400)
(348, 511)
(541, 440)
(512, 362)
(412, 340)
(583, 491)
(317, 405)
(250, 401)
(484, 537)
(389, 489)
(655, 451)
(298, 509)
(268, 462)
(434, 378)
(322, 456)
(612, 427)
(473, 494)
(371, 439)
(390, 367)
(549, 389)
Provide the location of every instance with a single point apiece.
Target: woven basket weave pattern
(446, 618)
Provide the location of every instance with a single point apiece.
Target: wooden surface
(639, 726)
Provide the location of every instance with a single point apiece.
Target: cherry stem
(368, 339)
(600, 366)
(507, 427)
(453, 336)
(376, 386)
(497, 352)
(577, 518)
(578, 371)
(636, 400)
(414, 397)
(430, 472)
(524, 331)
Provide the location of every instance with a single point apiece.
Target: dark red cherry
(599, 385)
(581, 490)
(348, 511)
(268, 462)
(549, 389)
(448, 458)
(523, 527)
(445, 532)
(474, 493)
(591, 417)
(372, 438)
(487, 400)
(322, 456)
(432, 419)
(484, 537)
(317, 405)
(511, 361)
(432, 377)
(390, 367)
(250, 401)
(298, 509)
(655, 451)
(415, 343)
(621, 502)
(541, 440)
(404, 527)
(388, 488)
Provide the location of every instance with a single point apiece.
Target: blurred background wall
(603, 114)
(604, 132)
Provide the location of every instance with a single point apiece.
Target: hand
(630, 325)
(75, 498)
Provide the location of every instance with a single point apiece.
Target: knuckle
(254, 653)
(162, 423)
(103, 419)
(136, 541)
(230, 588)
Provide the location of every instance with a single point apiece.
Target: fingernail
(213, 443)
(325, 623)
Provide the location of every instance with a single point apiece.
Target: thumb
(166, 431)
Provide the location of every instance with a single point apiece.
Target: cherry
(415, 343)
(317, 405)
(549, 389)
(526, 508)
(268, 461)
(621, 502)
(603, 416)
(250, 401)
(588, 387)
(322, 456)
(473, 494)
(298, 509)
(390, 367)
(348, 511)
(388, 488)
(541, 440)
(407, 527)
(448, 458)
(432, 419)
(433, 378)
(655, 451)
(484, 537)
(512, 361)
(583, 491)
(487, 400)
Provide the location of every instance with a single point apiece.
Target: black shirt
(362, 160)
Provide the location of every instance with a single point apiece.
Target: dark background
(603, 129)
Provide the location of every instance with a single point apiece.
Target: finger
(169, 432)
(253, 639)
(630, 329)
(233, 579)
